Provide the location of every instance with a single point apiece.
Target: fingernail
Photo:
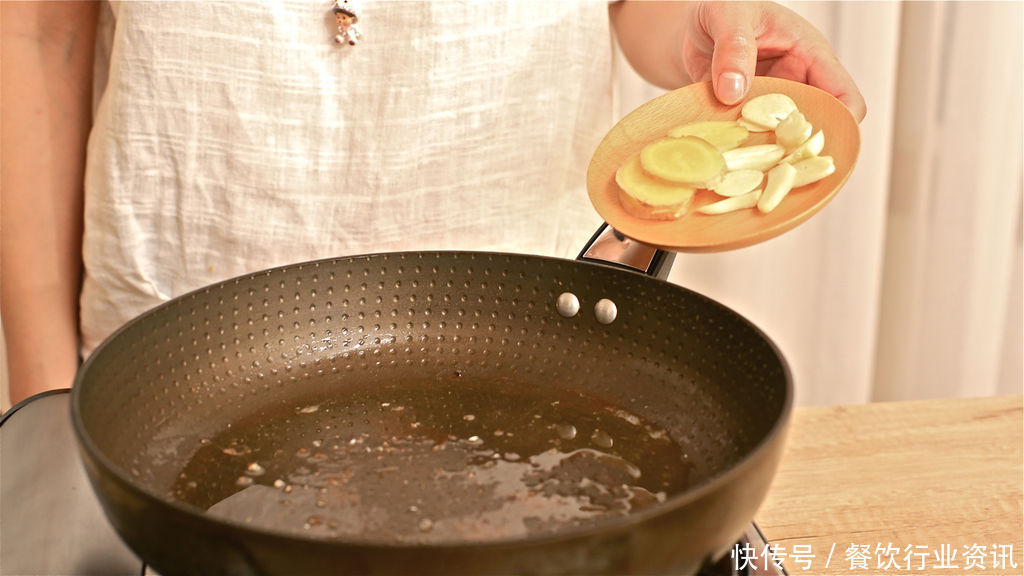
(731, 87)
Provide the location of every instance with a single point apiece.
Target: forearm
(650, 36)
(47, 57)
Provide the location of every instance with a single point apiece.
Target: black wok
(295, 355)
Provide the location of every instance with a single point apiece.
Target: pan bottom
(451, 458)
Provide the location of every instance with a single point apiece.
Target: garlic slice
(752, 127)
(758, 157)
(809, 149)
(813, 169)
(780, 182)
(793, 131)
(741, 202)
(738, 182)
(768, 109)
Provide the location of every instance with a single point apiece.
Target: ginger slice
(687, 160)
(660, 181)
(645, 196)
(722, 134)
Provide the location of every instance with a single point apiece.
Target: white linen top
(230, 137)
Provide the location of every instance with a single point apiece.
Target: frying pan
(293, 340)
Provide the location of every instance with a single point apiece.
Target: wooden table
(930, 487)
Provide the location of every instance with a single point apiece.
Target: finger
(829, 75)
(802, 53)
(731, 27)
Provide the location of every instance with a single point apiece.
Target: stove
(750, 556)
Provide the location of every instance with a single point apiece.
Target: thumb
(731, 29)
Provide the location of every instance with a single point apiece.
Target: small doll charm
(346, 12)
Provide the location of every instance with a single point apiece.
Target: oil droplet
(279, 483)
(469, 417)
(307, 409)
(313, 521)
(602, 439)
(512, 456)
(243, 482)
(254, 469)
(566, 431)
(475, 440)
(426, 525)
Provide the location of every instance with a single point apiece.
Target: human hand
(727, 43)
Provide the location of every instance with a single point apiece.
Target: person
(229, 137)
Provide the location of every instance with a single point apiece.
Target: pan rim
(604, 527)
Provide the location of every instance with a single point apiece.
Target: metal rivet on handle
(605, 311)
(568, 304)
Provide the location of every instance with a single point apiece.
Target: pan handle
(609, 246)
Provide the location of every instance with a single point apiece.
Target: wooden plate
(695, 232)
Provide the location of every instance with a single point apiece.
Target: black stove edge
(6, 415)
